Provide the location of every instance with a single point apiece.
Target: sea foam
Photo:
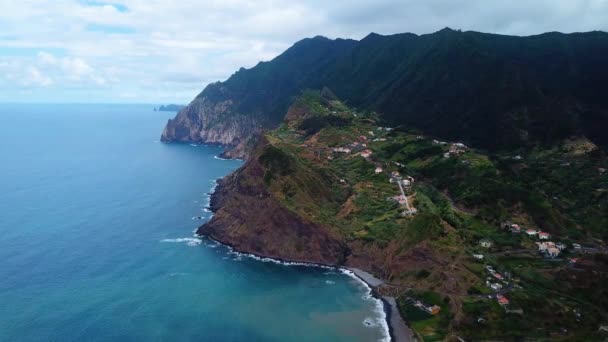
(191, 241)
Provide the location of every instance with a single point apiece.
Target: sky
(161, 51)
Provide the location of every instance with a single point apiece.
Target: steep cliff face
(249, 218)
(211, 118)
(231, 112)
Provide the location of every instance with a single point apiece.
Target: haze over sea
(96, 242)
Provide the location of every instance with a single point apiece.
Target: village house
(408, 181)
(515, 228)
(497, 276)
(486, 243)
(531, 232)
(552, 252)
(478, 256)
(362, 138)
(446, 155)
(544, 235)
(371, 133)
(410, 212)
(576, 246)
(341, 150)
(378, 169)
(494, 286)
(366, 153)
(502, 300)
(560, 246)
(430, 309)
(601, 170)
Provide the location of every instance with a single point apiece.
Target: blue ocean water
(96, 242)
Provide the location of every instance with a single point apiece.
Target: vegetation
(317, 170)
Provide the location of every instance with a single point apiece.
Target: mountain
(492, 91)
(507, 247)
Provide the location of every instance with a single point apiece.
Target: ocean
(96, 242)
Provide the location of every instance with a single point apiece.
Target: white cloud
(159, 49)
(34, 77)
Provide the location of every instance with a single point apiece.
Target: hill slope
(330, 186)
(495, 92)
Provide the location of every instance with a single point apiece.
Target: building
(433, 310)
(341, 150)
(378, 169)
(544, 235)
(552, 252)
(366, 153)
(486, 243)
(531, 232)
(515, 228)
(502, 300)
(478, 256)
(576, 246)
(430, 309)
(496, 286)
(446, 155)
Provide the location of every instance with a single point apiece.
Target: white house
(496, 286)
(544, 235)
(478, 256)
(486, 243)
(378, 169)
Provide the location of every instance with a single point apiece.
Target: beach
(399, 330)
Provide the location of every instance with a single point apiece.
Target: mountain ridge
(492, 91)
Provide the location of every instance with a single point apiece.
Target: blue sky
(158, 51)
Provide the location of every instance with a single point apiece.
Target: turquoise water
(96, 242)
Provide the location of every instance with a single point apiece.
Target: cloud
(160, 49)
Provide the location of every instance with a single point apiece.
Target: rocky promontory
(250, 219)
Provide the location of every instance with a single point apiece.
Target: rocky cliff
(211, 118)
(250, 219)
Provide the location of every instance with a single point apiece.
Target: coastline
(396, 328)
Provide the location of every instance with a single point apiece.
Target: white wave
(219, 158)
(176, 274)
(330, 282)
(194, 145)
(192, 241)
(381, 319)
